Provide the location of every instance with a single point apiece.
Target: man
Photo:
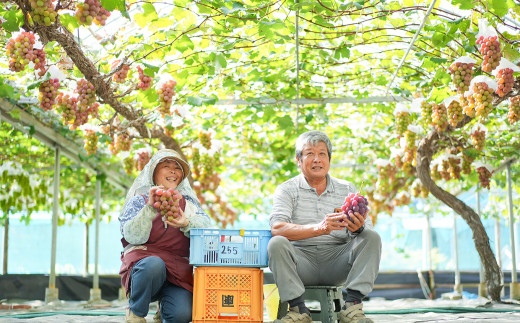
(313, 245)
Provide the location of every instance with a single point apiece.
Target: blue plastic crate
(227, 247)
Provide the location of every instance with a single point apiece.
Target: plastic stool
(330, 298)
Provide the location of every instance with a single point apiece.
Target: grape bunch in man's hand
(354, 203)
(166, 201)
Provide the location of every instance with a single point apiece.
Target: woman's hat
(172, 155)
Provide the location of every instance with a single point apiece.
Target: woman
(155, 264)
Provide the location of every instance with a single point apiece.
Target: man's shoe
(157, 316)
(353, 314)
(130, 317)
(294, 316)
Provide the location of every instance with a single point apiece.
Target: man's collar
(305, 185)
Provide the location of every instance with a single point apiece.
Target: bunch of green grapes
(426, 112)
(483, 96)
(402, 121)
(91, 140)
(43, 12)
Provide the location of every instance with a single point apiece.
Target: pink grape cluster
(354, 203)
(483, 96)
(43, 12)
(48, 93)
(121, 75)
(455, 114)
(484, 176)
(122, 142)
(490, 50)
(454, 167)
(39, 61)
(439, 116)
(87, 93)
(513, 115)
(142, 159)
(461, 75)
(166, 94)
(505, 80)
(91, 11)
(478, 139)
(90, 142)
(20, 51)
(145, 81)
(166, 201)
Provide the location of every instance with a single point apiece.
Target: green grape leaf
(13, 20)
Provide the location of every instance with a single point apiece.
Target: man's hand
(355, 222)
(331, 222)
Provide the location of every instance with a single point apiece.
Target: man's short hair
(313, 138)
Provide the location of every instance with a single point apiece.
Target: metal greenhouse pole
(514, 289)
(482, 287)
(51, 293)
(95, 291)
(457, 288)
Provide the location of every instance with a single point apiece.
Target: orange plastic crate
(228, 294)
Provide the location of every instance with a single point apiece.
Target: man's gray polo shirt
(295, 201)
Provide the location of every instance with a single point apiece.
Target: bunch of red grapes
(145, 81)
(121, 75)
(354, 203)
(461, 75)
(454, 113)
(166, 94)
(20, 51)
(48, 93)
(166, 201)
(505, 80)
(87, 93)
(513, 115)
(478, 139)
(483, 176)
(454, 167)
(123, 142)
(43, 12)
(90, 142)
(483, 96)
(39, 61)
(490, 50)
(142, 159)
(91, 11)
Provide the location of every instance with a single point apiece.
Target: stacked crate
(228, 282)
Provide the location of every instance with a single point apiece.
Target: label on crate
(228, 303)
(231, 250)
